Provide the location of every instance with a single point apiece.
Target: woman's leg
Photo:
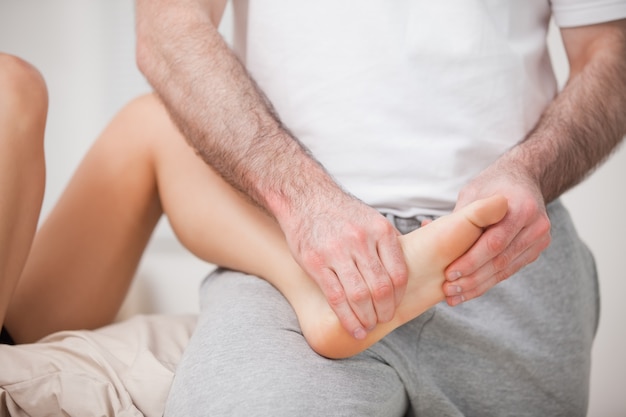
(140, 166)
(23, 110)
(85, 254)
(199, 205)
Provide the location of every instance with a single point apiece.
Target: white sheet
(124, 369)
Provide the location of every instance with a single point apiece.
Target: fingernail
(453, 290)
(360, 334)
(453, 276)
(455, 301)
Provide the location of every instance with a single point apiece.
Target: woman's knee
(23, 87)
(129, 143)
(23, 103)
(144, 127)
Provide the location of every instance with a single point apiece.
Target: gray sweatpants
(522, 349)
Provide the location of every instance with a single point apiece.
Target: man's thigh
(248, 357)
(522, 349)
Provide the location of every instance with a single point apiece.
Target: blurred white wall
(85, 49)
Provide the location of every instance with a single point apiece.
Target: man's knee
(248, 357)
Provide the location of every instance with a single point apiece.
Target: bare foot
(428, 251)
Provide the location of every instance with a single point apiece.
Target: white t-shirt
(405, 101)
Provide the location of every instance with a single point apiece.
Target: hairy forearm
(218, 107)
(581, 127)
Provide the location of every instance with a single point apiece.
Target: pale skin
(85, 254)
(179, 49)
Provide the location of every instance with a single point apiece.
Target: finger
(493, 242)
(473, 286)
(514, 237)
(393, 262)
(491, 271)
(488, 256)
(358, 294)
(337, 299)
(380, 288)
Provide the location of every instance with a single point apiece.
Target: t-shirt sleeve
(569, 13)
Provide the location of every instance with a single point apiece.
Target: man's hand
(578, 130)
(353, 254)
(505, 247)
